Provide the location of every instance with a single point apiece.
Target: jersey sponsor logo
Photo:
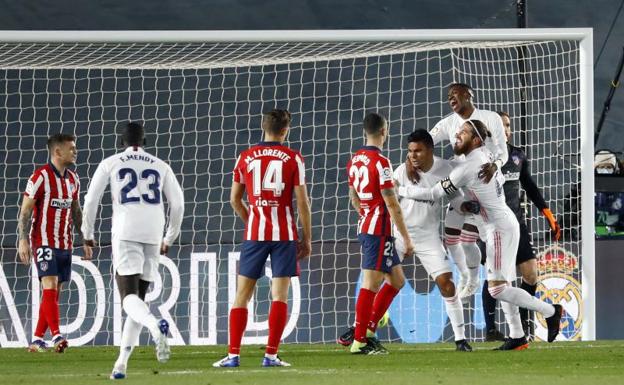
(61, 203)
(265, 203)
(511, 176)
(560, 285)
(448, 186)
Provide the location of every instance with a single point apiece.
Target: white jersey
(138, 181)
(422, 217)
(491, 196)
(464, 176)
(449, 126)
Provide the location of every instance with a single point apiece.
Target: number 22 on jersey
(271, 180)
(360, 181)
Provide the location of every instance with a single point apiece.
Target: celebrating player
(462, 231)
(424, 169)
(371, 190)
(516, 172)
(500, 227)
(51, 206)
(270, 172)
(138, 181)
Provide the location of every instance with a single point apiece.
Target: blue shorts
(378, 252)
(254, 254)
(53, 262)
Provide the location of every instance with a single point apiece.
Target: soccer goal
(201, 95)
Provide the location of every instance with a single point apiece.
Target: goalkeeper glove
(552, 222)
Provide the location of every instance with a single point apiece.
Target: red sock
(383, 299)
(363, 308)
(277, 322)
(238, 323)
(42, 323)
(51, 310)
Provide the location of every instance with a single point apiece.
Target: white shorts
(501, 246)
(131, 258)
(430, 252)
(456, 220)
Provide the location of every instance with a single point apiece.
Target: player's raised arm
(175, 199)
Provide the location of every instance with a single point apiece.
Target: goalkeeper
(516, 172)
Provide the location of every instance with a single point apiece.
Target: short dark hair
(479, 129)
(464, 86)
(60, 138)
(503, 113)
(373, 123)
(275, 121)
(421, 135)
(134, 134)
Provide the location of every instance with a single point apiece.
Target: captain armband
(448, 186)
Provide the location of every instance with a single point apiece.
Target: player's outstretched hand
(164, 248)
(412, 172)
(552, 222)
(487, 172)
(409, 249)
(24, 252)
(304, 249)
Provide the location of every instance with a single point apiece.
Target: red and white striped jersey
(369, 173)
(52, 223)
(270, 171)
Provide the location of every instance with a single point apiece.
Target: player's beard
(460, 149)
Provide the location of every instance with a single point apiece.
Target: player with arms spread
(270, 173)
(462, 231)
(501, 231)
(517, 174)
(50, 210)
(138, 181)
(371, 190)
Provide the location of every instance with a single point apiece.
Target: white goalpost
(200, 95)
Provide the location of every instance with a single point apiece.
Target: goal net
(201, 96)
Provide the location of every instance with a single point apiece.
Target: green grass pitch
(600, 362)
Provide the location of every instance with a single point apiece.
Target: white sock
(473, 259)
(270, 356)
(521, 298)
(232, 355)
(455, 311)
(512, 316)
(139, 312)
(129, 339)
(457, 253)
